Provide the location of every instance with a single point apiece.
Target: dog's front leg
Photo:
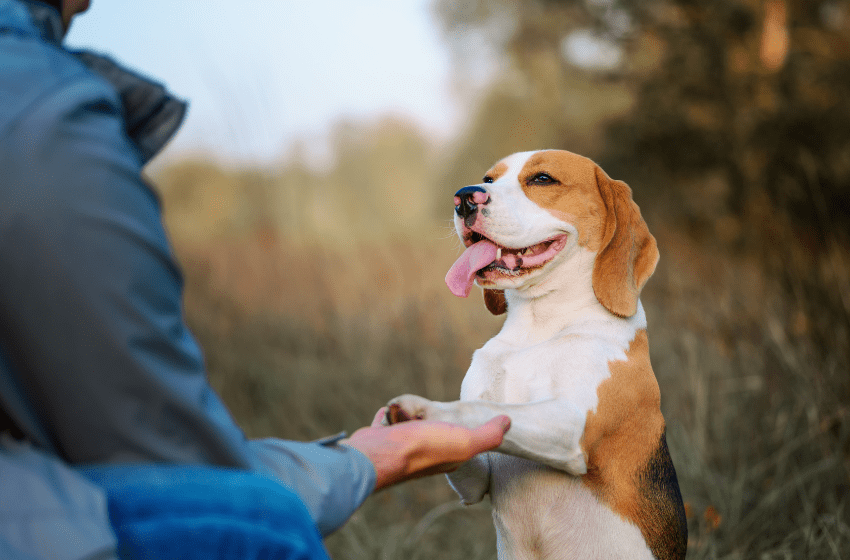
(471, 480)
(547, 431)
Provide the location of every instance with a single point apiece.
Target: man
(97, 369)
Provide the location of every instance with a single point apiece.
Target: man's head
(68, 8)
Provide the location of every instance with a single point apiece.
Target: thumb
(490, 435)
(377, 422)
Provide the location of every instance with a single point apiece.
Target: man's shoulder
(36, 76)
(53, 109)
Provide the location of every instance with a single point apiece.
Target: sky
(260, 74)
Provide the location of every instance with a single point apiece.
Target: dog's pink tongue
(461, 275)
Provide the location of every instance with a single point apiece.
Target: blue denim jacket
(97, 365)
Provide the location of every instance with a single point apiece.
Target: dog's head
(533, 212)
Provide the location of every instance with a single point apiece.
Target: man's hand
(423, 447)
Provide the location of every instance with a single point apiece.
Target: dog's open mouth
(483, 258)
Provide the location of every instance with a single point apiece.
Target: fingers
(490, 435)
(444, 446)
(413, 449)
(378, 421)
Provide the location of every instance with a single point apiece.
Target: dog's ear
(495, 301)
(628, 254)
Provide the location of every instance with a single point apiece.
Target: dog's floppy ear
(495, 301)
(628, 254)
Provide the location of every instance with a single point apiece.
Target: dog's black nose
(468, 199)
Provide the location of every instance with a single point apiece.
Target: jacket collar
(152, 115)
(30, 17)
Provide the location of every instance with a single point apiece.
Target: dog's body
(584, 471)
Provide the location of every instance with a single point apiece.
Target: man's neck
(47, 20)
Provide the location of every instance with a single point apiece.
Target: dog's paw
(471, 480)
(405, 408)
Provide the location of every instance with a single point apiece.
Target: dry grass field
(309, 334)
(318, 293)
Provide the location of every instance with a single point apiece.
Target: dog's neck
(561, 299)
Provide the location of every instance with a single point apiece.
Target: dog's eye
(541, 179)
(487, 179)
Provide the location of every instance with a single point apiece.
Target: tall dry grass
(310, 326)
(305, 340)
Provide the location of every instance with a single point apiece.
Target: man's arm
(92, 325)
(91, 322)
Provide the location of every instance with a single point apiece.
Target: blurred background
(309, 201)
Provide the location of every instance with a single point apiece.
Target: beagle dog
(584, 471)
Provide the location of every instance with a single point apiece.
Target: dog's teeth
(498, 253)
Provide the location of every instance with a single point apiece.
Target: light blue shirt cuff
(332, 480)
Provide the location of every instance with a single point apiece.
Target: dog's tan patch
(607, 219)
(573, 197)
(629, 252)
(497, 171)
(495, 301)
(622, 441)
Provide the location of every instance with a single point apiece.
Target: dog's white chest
(572, 364)
(493, 368)
(540, 512)
(502, 373)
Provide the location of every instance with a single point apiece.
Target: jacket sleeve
(91, 317)
(311, 470)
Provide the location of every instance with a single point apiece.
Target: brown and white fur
(584, 471)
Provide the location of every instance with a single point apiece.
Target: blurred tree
(754, 94)
(509, 59)
(758, 90)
